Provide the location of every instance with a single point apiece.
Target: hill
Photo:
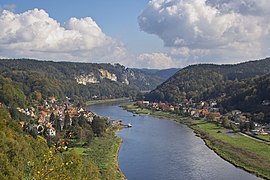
(200, 81)
(251, 95)
(77, 80)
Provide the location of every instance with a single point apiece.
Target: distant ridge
(195, 81)
(79, 80)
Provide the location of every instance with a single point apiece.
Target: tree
(233, 127)
(58, 125)
(211, 117)
(82, 120)
(244, 126)
(14, 112)
(259, 117)
(241, 126)
(67, 121)
(52, 118)
(251, 125)
(37, 95)
(98, 126)
(225, 122)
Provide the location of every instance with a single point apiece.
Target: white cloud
(33, 34)
(154, 60)
(210, 29)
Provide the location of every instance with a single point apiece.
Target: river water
(160, 149)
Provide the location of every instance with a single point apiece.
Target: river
(160, 149)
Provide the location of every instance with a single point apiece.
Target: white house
(51, 132)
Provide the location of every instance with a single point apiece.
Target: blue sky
(140, 33)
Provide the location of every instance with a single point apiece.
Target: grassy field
(103, 151)
(242, 151)
(94, 102)
(265, 137)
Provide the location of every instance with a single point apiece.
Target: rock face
(84, 79)
(92, 78)
(106, 74)
(130, 77)
(125, 81)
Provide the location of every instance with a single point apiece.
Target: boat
(129, 125)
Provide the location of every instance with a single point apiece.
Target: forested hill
(77, 80)
(200, 81)
(251, 95)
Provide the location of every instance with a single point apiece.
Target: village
(209, 110)
(56, 121)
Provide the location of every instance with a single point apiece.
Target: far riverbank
(102, 101)
(239, 150)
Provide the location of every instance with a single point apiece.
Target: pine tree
(67, 121)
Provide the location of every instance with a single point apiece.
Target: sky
(145, 34)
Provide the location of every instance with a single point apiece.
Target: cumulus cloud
(210, 29)
(33, 34)
(154, 60)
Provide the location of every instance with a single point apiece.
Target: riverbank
(243, 152)
(103, 151)
(95, 102)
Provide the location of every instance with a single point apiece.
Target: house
(163, 106)
(192, 112)
(266, 103)
(21, 110)
(51, 131)
(267, 128)
(214, 109)
(146, 103)
(202, 103)
(171, 108)
(236, 112)
(185, 110)
(155, 106)
(243, 118)
(213, 103)
(196, 115)
(43, 116)
(22, 123)
(204, 113)
(52, 99)
(139, 103)
(89, 116)
(80, 110)
(73, 113)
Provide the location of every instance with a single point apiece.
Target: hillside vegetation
(243, 86)
(25, 157)
(196, 80)
(77, 80)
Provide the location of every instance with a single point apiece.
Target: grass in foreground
(241, 151)
(264, 137)
(103, 151)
